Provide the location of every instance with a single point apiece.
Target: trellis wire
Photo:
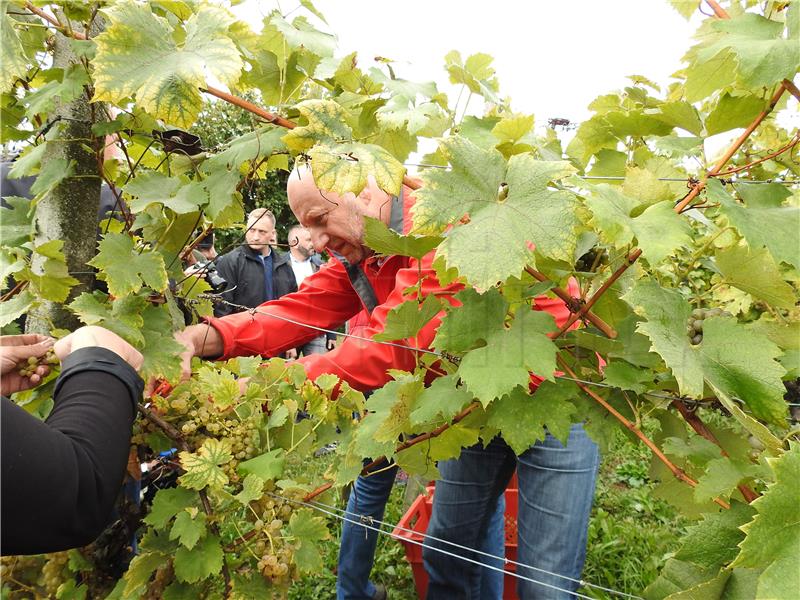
(367, 522)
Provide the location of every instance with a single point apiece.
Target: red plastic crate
(416, 520)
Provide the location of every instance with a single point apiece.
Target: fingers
(93, 336)
(27, 339)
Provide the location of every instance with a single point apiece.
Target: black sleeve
(60, 477)
(226, 270)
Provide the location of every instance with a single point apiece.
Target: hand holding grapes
(20, 364)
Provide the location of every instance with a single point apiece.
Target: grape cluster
(591, 260)
(275, 550)
(28, 368)
(694, 324)
(53, 572)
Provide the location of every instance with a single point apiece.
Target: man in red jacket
(356, 281)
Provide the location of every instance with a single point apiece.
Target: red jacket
(327, 299)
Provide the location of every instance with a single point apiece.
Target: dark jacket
(61, 476)
(243, 269)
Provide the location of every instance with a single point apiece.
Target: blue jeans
(556, 488)
(357, 549)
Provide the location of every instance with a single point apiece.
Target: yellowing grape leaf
(510, 355)
(755, 273)
(202, 467)
(126, 270)
(15, 65)
(343, 168)
(138, 56)
(326, 121)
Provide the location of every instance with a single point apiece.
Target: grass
(631, 534)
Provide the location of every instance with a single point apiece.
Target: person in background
(255, 272)
(61, 476)
(305, 261)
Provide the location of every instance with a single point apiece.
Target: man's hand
(15, 351)
(199, 340)
(291, 354)
(330, 344)
(98, 337)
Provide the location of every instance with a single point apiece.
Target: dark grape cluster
(592, 260)
(694, 324)
(28, 368)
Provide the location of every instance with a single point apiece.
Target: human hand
(330, 344)
(291, 354)
(14, 352)
(93, 336)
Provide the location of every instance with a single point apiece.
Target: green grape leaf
(343, 168)
(681, 114)
(383, 240)
(721, 476)
(774, 228)
(763, 57)
(140, 570)
(611, 211)
(774, 533)
(677, 576)
(418, 460)
(476, 73)
(152, 186)
(188, 529)
(405, 320)
(738, 362)
(755, 273)
(54, 282)
(660, 231)
(201, 562)
(16, 221)
(309, 530)
(448, 445)
(220, 384)
(392, 406)
(300, 33)
(137, 55)
(168, 503)
(161, 350)
(732, 112)
(479, 315)
(513, 128)
(401, 112)
(178, 590)
(781, 579)
(125, 269)
(714, 541)
(510, 356)
(202, 467)
(53, 172)
(15, 64)
(252, 489)
(15, 307)
(267, 466)
(326, 122)
(625, 376)
(769, 195)
(521, 417)
(442, 400)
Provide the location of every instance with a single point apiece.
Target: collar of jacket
(278, 258)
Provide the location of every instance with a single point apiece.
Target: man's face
(333, 221)
(260, 232)
(303, 243)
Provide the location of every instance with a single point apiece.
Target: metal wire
(367, 522)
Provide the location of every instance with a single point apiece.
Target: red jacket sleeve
(325, 299)
(364, 364)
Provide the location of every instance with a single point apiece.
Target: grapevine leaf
(513, 128)
(199, 563)
(418, 460)
(137, 55)
(685, 7)
(125, 269)
(660, 231)
(178, 590)
(140, 570)
(405, 320)
(326, 122)
(713, 542)
(681, 114)
(774, 533)
(721, 476)
(343, 168)
(383, 240)
(246, 586)
(713, 588)
(151, 186)
(220, 384)
(168, 503)
(267, 466)
(510, 356)
(52, 173)
(521, 417)
(300, 33)
(252, 489)
(732, 112)
(188, 529)
(755, 273)
(625, 376)
(54, 282)
(161, 350)
(769, 195)
(309, 531)
(677, 576)
(15, 64)
(392, 406)
(611, 211)
(15, 307)
(478, 316)
(781, 579)
(476, 73)
(448, 444)
(775, 228)
(202, 467)
(16, 221)
(442, 400)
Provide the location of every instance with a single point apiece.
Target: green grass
(631, 534)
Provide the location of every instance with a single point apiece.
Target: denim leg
(495, 544)
(556, 488)
(357, 549)
(465, 499)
